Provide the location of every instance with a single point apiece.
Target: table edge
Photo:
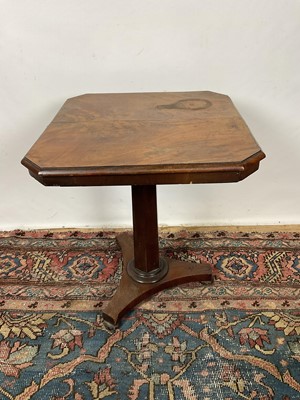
(155, 174)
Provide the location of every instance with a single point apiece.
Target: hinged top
(144, 138)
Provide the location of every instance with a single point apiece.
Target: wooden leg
(130, 293)
(144, 272)
(146, 266)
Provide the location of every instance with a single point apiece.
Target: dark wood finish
(142, 140)
(146, 267)
(129, 293)
(144, 215)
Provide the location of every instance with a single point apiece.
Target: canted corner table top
(144, 138)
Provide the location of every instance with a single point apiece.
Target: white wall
(51, 50)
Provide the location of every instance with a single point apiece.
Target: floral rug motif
(236, 339)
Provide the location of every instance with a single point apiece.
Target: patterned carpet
(236, 339)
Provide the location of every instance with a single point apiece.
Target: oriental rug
(238, 338)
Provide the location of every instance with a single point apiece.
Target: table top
(144, 138)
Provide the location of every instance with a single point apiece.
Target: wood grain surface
(144, 138)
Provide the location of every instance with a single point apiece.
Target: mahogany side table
(144, 140)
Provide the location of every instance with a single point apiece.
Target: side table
(144, 140)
